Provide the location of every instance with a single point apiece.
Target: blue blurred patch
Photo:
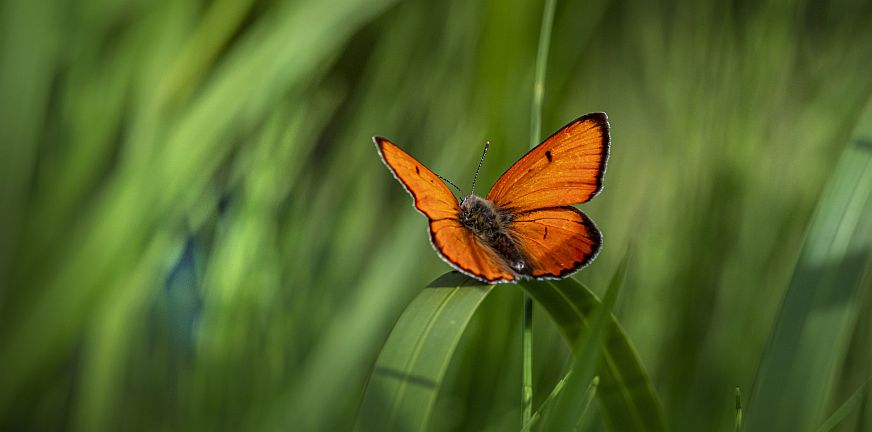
(183, 303)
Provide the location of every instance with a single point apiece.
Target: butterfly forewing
(432, 197)
(454, 242)
(556, 241)
(567, 168)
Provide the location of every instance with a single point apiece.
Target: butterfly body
(492, 226)
(526, 226)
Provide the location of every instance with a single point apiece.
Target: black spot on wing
(417, 171)
(546, 234)
(548, 155)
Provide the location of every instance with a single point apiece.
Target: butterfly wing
(462, 249)
(557, 241)
(431, 196)
(567, 168)
(455, 243)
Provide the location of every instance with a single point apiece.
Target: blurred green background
(196, 232)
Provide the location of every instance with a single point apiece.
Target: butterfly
(526, 226)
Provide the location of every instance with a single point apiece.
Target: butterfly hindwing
(556, 241)
(466, 252)
(567, 168)
(432, 197)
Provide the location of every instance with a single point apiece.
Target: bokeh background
(196, 232)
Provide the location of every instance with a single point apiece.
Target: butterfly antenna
(449, 182)
(486, 145)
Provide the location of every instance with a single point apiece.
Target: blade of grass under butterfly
(536, 416)
(409, 371)
(533, 424)
(812, 331)
(625, 393)
(566, 411)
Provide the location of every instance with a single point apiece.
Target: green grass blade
(847, 408)
(533, 424)
(627, 398)
(811, 335)
(409, 371)
(555, 392)
(541, 65)
(568, 408)
(535, 133)
(588, 398)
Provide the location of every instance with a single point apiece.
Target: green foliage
(849, 407)
(197, 234)
(569, 407)
(820, 308)
(625, 393)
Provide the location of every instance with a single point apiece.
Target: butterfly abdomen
(484, 219)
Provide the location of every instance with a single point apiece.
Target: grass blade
(625, 393)
(817, 316)
(535, 133)
(847, 408)
(588, 398)
(568, 408)
(409, 371)
(555, 392)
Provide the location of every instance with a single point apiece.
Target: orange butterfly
(525, 227)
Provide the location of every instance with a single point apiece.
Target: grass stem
(535, 133)
(527, 383)
(541, 65)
